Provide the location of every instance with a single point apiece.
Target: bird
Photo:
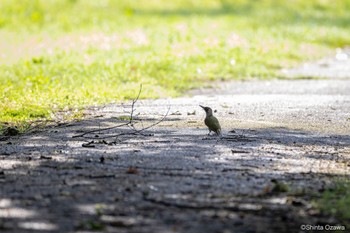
(211, 121)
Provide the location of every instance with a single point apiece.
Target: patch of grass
(336, 202)
(124, 118)
(91, 225)
(74, 53)
(24, 113)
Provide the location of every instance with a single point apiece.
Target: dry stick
(99, 130)
(116, 126)
(133, 103)
(156, 123)
(129, 123)
(136, 131)
(133, 109)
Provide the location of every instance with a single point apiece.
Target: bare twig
(136, 131)
(130, 123)
(116, 126)
(156, 123)
(99, 130)
(133, 104)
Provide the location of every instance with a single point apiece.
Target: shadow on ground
(177, 180)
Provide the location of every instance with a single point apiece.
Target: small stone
(132, 170)
(177, 113)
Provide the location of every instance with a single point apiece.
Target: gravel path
(291, 140)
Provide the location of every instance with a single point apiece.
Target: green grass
(336, 202)
(58, 54)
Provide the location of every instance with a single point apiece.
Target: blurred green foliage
(336, 201)
(56, 54)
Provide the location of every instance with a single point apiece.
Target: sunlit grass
(336, 202)
(71, 54)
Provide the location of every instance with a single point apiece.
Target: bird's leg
(209, 132)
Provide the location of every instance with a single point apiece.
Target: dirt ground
(284, 142)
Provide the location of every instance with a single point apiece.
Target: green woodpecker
(211, 121)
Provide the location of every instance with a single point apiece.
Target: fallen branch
(130, 123)
(99, 130)
(116, 126)
(135, 131)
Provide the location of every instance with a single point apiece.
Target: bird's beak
(202, 106)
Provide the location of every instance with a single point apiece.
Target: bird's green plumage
(213, 124)
(211, 121)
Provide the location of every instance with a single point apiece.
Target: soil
(284, 142)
